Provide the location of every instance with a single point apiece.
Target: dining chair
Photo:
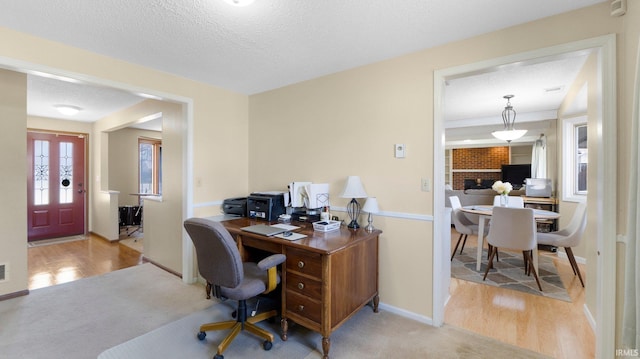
(513, 228)
(569, 237)
(462, 224)
(513, 201)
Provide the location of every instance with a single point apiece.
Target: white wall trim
(402, 215)
(405, 313)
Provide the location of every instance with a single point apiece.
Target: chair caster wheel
(202, 335)
(267, 345)
(234, 314)
(218, 356)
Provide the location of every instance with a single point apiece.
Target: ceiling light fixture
(508, 118)
(67, 110)
(240, 2)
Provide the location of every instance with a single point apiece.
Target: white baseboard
(406, 314)
(590, 318)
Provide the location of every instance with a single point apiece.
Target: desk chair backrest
(513, 228)
(219, 261)
(512, 201)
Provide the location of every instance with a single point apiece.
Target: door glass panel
(66, 172)
(41, 172)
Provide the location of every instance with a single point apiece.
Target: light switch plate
(400, 150)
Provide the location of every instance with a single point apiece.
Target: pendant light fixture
(509, 133)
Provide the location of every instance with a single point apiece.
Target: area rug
(365, 335)
(509, 273)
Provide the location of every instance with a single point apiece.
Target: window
(150, 165)
(575, 159)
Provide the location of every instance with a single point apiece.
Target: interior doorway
(601, 215)
(56, 185)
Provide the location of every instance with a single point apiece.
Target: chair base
(574, 264)
(237, 326)
(528, 264)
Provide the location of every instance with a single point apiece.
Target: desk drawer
(304, 262)
(303, 285)
(304, 306)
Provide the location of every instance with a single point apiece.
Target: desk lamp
(353, 189)
(370, 206)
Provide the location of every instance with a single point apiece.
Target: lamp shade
(508, 135)
(353, 188)
(371, 205)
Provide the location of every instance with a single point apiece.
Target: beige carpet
(83, 318)
(366, 335)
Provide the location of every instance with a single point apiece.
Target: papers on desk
(309, 195)
(286, 227)
(292, 237)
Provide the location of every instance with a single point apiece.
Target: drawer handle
(300, 264)
(300, 308)
(300, 285)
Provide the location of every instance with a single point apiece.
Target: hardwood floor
(552, 327)
(51, 264)
(548, 326)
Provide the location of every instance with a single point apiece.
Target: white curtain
(539, 158)
(631, 314)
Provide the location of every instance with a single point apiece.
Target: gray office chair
(513, 228)
(219, 263)
(569, 236)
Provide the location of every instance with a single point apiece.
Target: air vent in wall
(618, 7)
(3, 271)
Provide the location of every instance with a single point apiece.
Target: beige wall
(13, 220)
(52, 124)
(123, 162)
(346, 124)
(586, 77)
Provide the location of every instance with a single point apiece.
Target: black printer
(267, 206)
(237, 206)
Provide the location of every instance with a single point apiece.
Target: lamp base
(369, 228)
(353, 224)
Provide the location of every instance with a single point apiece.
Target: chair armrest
(269, 264)
(271, 261)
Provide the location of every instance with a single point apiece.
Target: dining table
(485, 212)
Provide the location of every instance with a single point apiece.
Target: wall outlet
(425, 185)
(399, 150)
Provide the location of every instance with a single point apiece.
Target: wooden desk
(327, 277)
(485, 212)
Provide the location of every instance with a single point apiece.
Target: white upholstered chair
(569, 237)
(462, 224)
(512, 201)
(513, 228)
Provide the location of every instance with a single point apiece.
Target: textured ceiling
(271, 43)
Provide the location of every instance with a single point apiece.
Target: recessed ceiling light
(554, 89)
(240, 2)
(67, 110)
